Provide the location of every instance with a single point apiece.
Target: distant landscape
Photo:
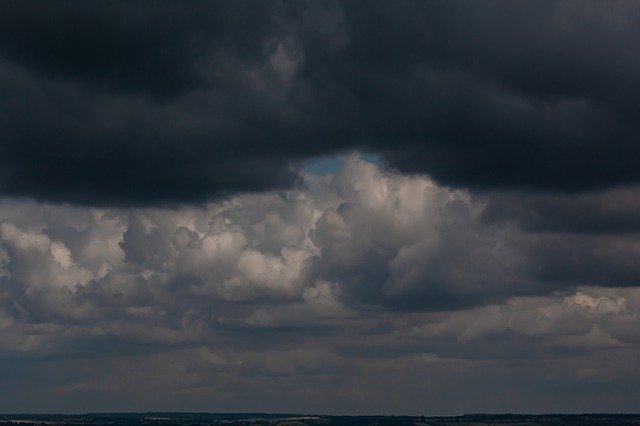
(279, 419)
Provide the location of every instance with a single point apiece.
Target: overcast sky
(377, 207)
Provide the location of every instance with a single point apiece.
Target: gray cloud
(363, 275)
(613, 211)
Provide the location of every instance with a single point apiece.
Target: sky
(380, 207)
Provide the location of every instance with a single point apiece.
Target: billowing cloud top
(154, 102)
(363, 275)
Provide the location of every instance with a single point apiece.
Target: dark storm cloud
(615, 211)
(144, 48)
(151, 102)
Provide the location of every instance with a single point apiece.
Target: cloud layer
(365, 276)
(164, 244)
(150, 103)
